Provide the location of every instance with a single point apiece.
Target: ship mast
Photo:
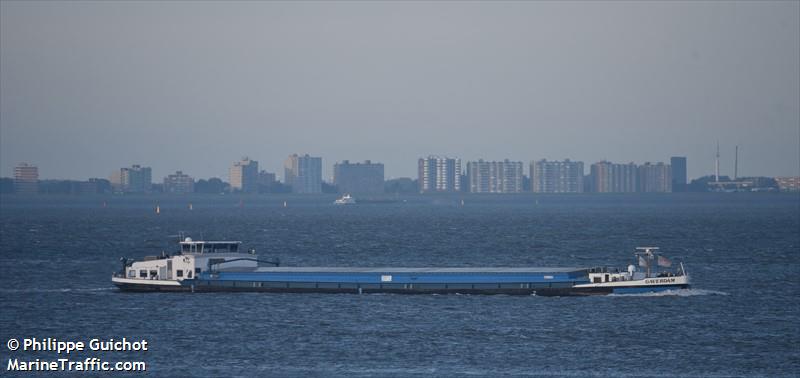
(648, 255)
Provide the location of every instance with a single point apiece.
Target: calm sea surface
(740, 318)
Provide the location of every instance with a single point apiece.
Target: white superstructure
(193, 258)
(345, 200)
(633, 279)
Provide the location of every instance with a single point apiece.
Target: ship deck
(396, 275)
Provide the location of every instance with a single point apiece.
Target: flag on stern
(663, 261)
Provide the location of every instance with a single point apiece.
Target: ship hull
(219, 266)
(200, 286)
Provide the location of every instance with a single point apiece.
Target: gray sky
(86, 88)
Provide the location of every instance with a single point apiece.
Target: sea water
(740, 318)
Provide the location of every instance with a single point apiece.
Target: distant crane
(716, 170)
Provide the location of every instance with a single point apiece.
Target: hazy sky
(86, 88)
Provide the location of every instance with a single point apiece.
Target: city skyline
(85, 89)
(461, 164)
(436, 174)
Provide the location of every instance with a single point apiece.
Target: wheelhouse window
(153, 273)
(223, 247)
(179, 272)
(184, 247)
(143, 273)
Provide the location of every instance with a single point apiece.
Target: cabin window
(132, 273)
(153, 273)
(196, 270)
(143, 273)
(596, 280)
(179, 272)
(606, 278)
(185, 247)
(189, 274)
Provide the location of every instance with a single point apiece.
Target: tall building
(303, 173)
(608, 177)
(478, 176)
(26, 179)
(266, 181)
(136, 179)
(556, 176)
(364, 177)
(439, 174)
(243, 176)
(678, 164)
(655, 178)
(494, 176)
(511, 177)
(178, 183)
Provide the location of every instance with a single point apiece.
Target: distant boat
(158, 209)
(345, 200)
(190, 207)
(284, 204)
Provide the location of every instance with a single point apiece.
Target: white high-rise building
(655, 177)
(136, 179)
(439, 174)
(608, 177)
(303, 173)
(243, 176)
(556, 176)
(494, 176)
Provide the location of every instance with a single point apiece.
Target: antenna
(716, 170)
(736, 164)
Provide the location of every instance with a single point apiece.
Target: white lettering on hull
(650, 281)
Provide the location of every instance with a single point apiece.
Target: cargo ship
(222, 266)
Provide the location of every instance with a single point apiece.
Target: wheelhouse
(190, 246)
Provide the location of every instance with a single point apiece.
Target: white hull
(644, 283)
(145, 282)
